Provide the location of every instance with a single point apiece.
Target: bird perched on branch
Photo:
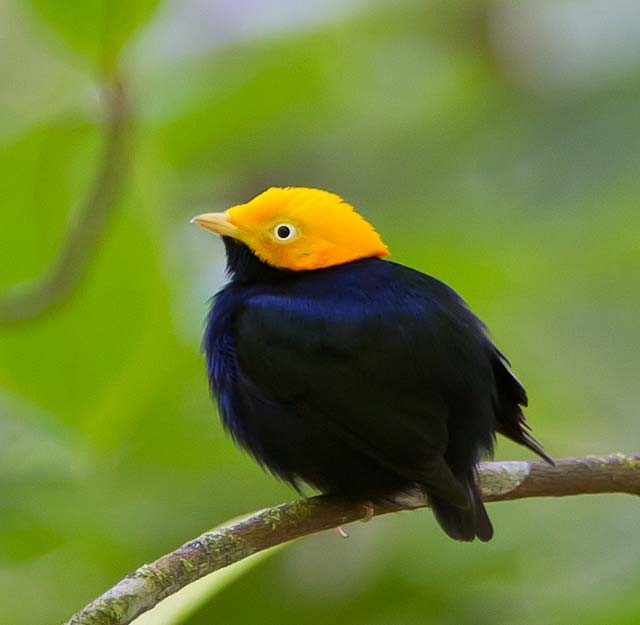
(359, 376)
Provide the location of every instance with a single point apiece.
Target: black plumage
(362, 379)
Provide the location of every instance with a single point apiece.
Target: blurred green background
(494, 144)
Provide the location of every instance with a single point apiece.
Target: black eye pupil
(284, 232)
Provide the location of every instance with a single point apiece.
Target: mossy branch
(500, 481)
(29, 300)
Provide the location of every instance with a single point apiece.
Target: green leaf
(34, 446)
(49, 168)
(34, 450)
(95, 350)
(97, 29)
(23, 538)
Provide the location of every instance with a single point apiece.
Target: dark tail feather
(464, 524)
(517, 429)
(511, 421)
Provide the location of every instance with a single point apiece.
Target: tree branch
(27, 301)
(213, 550)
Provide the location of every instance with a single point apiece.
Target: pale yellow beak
(219, 223)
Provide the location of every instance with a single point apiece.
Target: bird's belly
(298, 445)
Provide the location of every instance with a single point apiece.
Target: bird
(335, 367)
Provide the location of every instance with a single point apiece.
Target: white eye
(284, 232)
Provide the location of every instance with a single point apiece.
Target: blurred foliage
(95, 28)
(457, 128)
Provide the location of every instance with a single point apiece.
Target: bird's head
(298, 229)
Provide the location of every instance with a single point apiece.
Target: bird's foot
(369, 511)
